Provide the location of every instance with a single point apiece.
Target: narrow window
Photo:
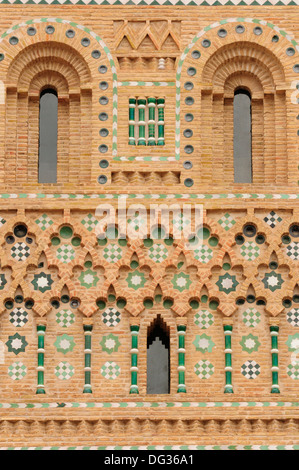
(48, 122)
(158, 357)
(242, 137)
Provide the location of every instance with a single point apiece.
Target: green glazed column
(132, 107)
(134, 359)
(161, 106)
(87, 358)
(181, 329)
(141, 102)
(274, 331)
(41, 331)
(151, 102)
(228, 359)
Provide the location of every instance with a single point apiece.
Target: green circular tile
(55, 241)
(101, 304)
(76, 241)
(168, 303)
(148, 303)
(213, 304)
(66, 232)
(134, 264)
(213, 241)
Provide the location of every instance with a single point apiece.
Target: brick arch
(75, 60)
(54, 55)
(276, 73)
(256, 68)
(244, 56)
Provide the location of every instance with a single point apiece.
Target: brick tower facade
(147, 230)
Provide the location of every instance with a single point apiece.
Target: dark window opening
(48, 127)
(158, 357)
(242, 137)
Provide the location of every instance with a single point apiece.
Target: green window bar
(274, 330)
(87, 358)
(228, 359)
(151, 102)
(134, 358)
(141, 102)
(132, 107)
(181, 329)
(161, 106)
(41, 331)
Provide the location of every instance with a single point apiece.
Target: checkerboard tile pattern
(226, 222)
(292, 250)
(17, 371)
(293, 317)
(204, 369)
(89, 222)
(111, 317)
(65, 318)
(251, 317)
(65, 253)
(250, 370)
(203, 254)
(293, 370)
(272, 219)
(20, 251)
(44, 222)
(203, 319)
(158, 252)
(112, 252)
(110, 370)
(250, 251)
(64, 370)
(18, 317)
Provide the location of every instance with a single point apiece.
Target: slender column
(228, 359)
(161, 105)
(181, 329)
(87, 358)
(134, 358)
(41, 330)
(151, 121)
(274, 330)
(132, 107)
(141, 102)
